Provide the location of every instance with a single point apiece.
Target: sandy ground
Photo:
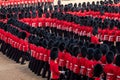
(9, 70)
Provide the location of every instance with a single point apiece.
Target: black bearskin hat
(97, 54)
(90, 53)
(54, 53)
(110, 57)
(83, 51)
(98, 70)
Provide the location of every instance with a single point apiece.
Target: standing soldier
(94, 38)
(109, 68)
(55, 73)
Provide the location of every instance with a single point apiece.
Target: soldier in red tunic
(109, 68)
(55, 73)
(82, 63)
(117, 69)
(104, 49)
(90, 64)
(94, 38)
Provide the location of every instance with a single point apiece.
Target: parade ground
(9, 70)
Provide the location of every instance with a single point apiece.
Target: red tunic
(117, 73)
(41, 22)
(46, 55)
(54, 70)
(47, 22)
(89, 67)
(105, 35)
(82, 63)
(117, 36)
(96, 62)
(41, 52)
(103, 59)
(61, 59)
(109, 69)
(34, 22)
(97, 79)
(95, 40)
(67, 59)
(27, 21)
(76, 66)
(111, 35)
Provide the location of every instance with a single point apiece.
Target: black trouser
(27, 56)
(83, 77)
(8, 50)
(90, 79)
(69, 73)
(76, 76)
(31, 63)
(24, 55)
(3, 47)
(15, 57)
(45, 69)
(11, 52)
(40, 67)
(62, 76)
(1, 41)
(18, 56)
(14, 53)
(49, 74)
(37, 66)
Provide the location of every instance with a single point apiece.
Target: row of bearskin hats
(72, 47)
(24, 26)
(22, 2)
(87, 20)
(13, 30)
(43, 33)
(90, 52)
(84, 6)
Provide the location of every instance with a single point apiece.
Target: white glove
(62, 72)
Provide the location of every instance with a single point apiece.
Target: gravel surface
(9, 70)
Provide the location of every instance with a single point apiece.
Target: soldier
(82, 63)
(61, 58)
(117, 71)
(55, 73)
(109, 68)
(89, 63)
(94, 38)
(104, 49)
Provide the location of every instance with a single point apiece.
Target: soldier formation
(63, 42)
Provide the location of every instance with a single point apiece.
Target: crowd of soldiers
(63, 42)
